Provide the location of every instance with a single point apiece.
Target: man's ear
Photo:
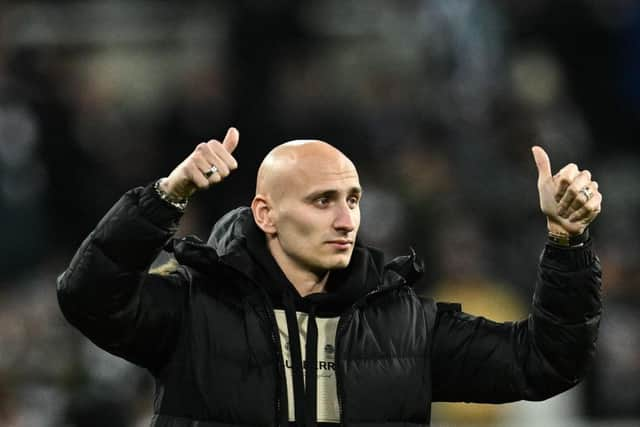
(262, 214)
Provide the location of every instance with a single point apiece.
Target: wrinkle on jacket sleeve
(477, 360)
(107, 292)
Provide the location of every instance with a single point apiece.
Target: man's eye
(353, 201)
(322, 201)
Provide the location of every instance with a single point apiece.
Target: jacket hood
(230, 230)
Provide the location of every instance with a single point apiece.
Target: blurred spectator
(23, 180)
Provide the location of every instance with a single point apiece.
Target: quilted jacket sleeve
(477, 360)
(107, 292)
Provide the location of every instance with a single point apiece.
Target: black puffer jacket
(207, 331)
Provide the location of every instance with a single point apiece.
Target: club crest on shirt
(329, 351)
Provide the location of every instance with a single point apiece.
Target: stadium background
(437, 101)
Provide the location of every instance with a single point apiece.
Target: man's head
(307, 203)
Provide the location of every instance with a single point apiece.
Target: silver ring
(211, 171)
(587, 192)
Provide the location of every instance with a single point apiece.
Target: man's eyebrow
(355, 190)
(332, 193)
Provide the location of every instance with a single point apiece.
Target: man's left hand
(570, 199)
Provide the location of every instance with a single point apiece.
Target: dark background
(437, 102)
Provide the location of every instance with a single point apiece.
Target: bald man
(284, 318)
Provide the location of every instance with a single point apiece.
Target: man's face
(317, 214)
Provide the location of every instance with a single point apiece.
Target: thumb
(231, 139)
(542, 162)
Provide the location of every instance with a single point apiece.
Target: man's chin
(341, 263)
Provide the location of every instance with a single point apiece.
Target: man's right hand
(189, 176)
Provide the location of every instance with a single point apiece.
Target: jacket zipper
(275, 338)
(339, 391)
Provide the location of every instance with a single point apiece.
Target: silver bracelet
(179, 204)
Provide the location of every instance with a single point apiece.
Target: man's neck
(308, 285)
(304, 280)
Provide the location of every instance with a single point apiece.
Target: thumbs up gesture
(569, 199)
(207, 165)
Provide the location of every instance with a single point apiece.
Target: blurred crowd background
(437, 101)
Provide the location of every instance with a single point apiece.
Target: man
(283, 317)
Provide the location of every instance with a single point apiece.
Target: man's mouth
(341, 243)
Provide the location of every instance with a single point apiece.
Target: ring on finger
(588, 194)
(210, 171)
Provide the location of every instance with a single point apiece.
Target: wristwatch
(569, 241)
(179, 204)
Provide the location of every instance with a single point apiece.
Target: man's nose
(345, 219)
